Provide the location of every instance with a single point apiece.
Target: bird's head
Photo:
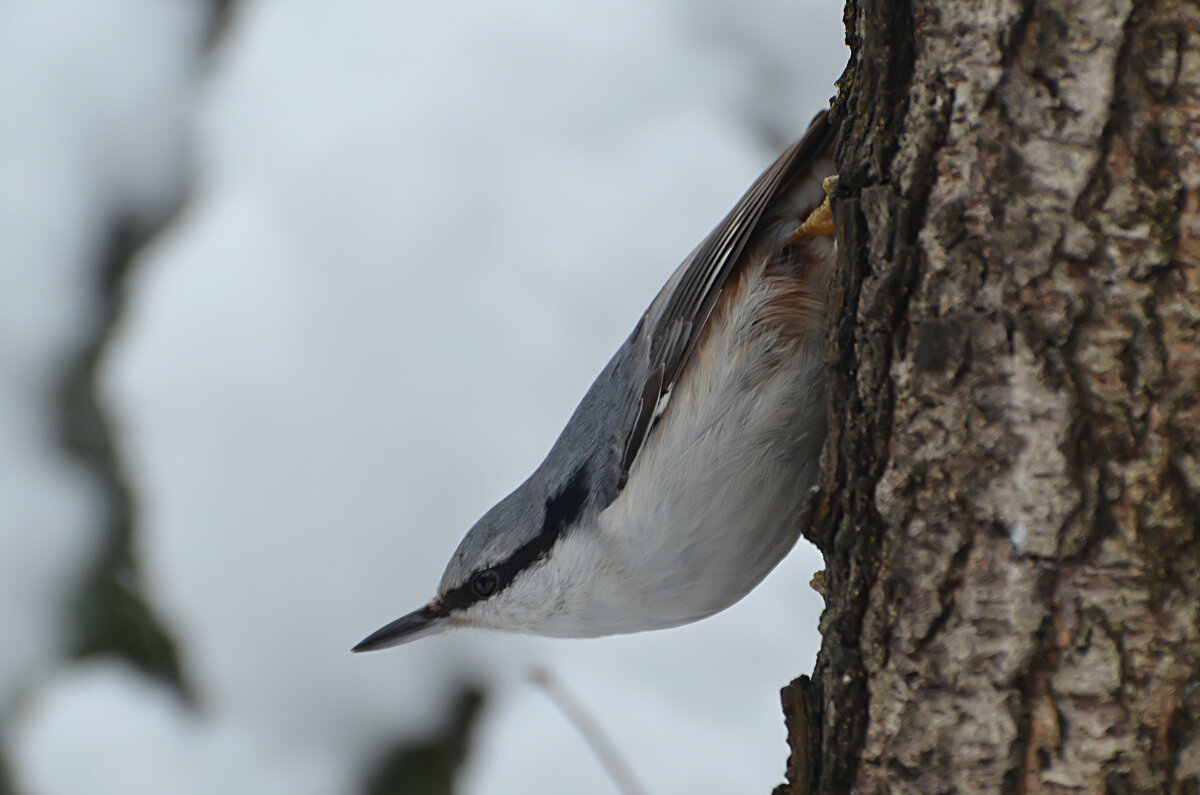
(518, 569)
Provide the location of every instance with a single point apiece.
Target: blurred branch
(428, 766)
(112, 614)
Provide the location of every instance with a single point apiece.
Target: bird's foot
(819, 222)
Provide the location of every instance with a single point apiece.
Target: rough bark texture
(1012, 487)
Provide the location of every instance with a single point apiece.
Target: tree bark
(1012, 479)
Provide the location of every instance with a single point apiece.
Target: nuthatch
(679, 481)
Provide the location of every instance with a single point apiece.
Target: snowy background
(379, 251)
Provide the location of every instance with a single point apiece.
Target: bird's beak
(429, 620)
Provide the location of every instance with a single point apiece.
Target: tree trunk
(1012, 483)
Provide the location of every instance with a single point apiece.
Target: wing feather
(674, 330)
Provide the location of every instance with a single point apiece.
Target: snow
(415, 235)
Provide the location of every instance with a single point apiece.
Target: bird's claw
(819, 222)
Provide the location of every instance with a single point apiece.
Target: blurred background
(290, 293)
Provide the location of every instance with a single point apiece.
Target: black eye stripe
(562, 510)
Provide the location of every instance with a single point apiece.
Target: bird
(679, 481)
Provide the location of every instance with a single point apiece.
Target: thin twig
(604, 750)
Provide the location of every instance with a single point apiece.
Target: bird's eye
(485, 583)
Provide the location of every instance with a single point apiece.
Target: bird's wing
(673, 330)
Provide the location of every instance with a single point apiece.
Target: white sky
(416, 233)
